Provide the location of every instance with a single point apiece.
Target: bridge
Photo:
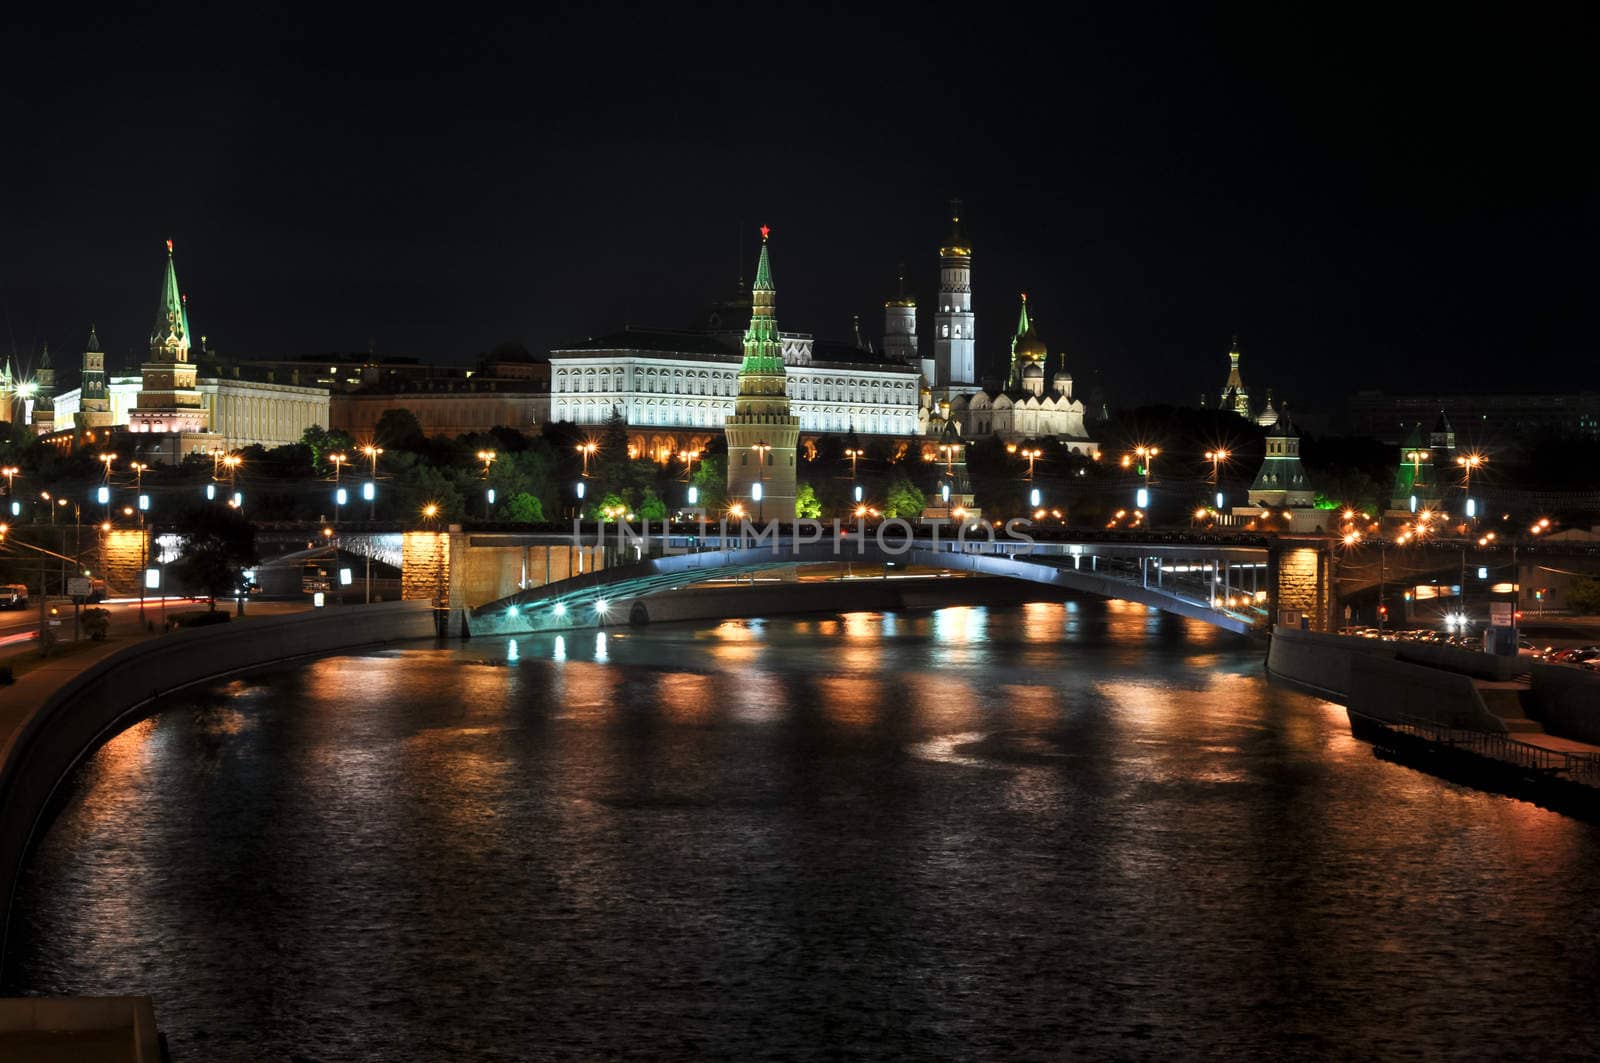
(1233, 581)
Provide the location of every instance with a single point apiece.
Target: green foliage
(416, 484)
(806, 505)
(219, 544)
(1583, 595)
(322, 443)
(903, 499)
(651, 506)
(525, 508)
(97, 623)
(711, 478)
(399, 429)
(606, 507)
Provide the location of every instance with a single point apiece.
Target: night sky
(1408, 204)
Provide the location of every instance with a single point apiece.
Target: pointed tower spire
(763, 433)
(168, 399)
(764, 265)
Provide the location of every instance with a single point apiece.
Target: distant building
(1493, 419)
(900, 342)
(1426, 468)
(1234, 396)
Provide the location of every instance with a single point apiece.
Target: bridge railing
(1579, 767)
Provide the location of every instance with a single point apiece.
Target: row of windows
(713, 414)
(677, 382)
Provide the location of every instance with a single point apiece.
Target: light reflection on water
(1076, 828)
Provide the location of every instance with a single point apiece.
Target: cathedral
(1025, 408)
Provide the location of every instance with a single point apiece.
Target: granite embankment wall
(1389, 680)
(104, 697)
(1566, 700)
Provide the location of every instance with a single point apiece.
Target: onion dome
(903, 298)
(1032, 371)
(957, 243)
(1030, 347)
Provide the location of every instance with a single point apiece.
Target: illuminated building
(93, 400)
(169, 402)
(1023, 410)
(1281, 482)
(955, 326)
(763, 435)
(1234, 396)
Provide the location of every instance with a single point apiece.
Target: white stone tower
(955, 334)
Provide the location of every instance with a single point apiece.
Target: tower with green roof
(1282, 480)
(1416, 485)
(763, 436)
(168, 399)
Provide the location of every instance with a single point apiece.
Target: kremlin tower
(900, 327)
(94, 401)
(1234, 397)
(168, 400)
(762, 434)
(955, 336)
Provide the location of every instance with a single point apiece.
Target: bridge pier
(1300, 583)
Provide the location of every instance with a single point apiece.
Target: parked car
(13, 596)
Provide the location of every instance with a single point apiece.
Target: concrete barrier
(103, 698)
(1395, 691)
(1321, 662)
(58, 1028)
(1567, 701)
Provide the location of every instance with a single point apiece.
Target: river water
(1057, 829)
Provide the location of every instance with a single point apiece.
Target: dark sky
(1405, 203)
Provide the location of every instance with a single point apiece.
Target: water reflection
(1062, 829)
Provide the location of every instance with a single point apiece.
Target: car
(13, 596)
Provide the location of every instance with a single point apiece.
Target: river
(1057, 829)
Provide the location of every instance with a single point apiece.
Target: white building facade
(687, 381)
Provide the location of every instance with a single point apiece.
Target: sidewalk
(20, 700)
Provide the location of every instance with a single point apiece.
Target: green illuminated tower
(762, 434)
(168, 400)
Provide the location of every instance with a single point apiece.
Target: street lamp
(1031, 453)
(338, 492)
(370, 489)
(10, 473)
(107, 459)
(688, 457)
(854, 454)
(587, 449)
(1216, 458)
(761, 449)
(949, 452)
(1469, 462)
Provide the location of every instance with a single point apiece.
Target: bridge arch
(1182, 580)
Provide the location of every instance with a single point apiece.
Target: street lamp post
(587, 449)
(338, 493)
(1469, 462)
(1216, 458)
(487, 457)
(372, 452)
(761, 449)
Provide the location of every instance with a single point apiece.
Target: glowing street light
(854, 454)
(10, 473)
(587, 449)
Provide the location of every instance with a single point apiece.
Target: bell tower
(955, 335)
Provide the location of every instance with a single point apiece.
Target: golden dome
(1030, 347)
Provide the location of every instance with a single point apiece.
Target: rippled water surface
(1060, 829)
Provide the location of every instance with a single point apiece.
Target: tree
(806, 505)
(525, 508)
(399, 429)
(218, 544)
(322, 443)
(1583, 596)
(903, 499)
(711, 479)
(651, 507)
